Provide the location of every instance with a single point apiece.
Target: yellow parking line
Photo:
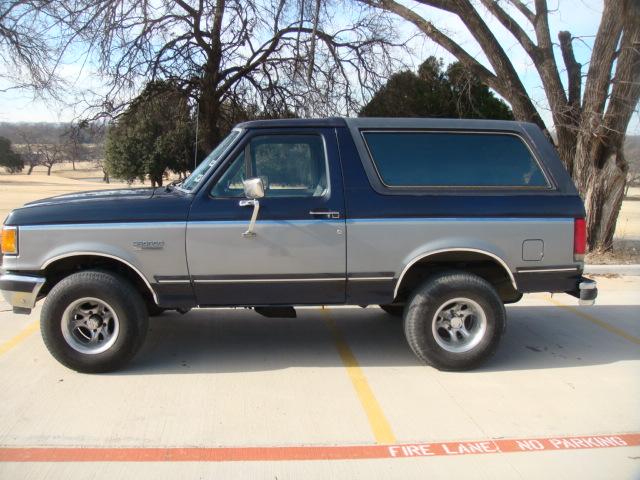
(607, 326)
(377, 421)
(9, 344)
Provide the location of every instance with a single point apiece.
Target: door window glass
(289, 166)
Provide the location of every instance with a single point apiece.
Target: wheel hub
(459, 325)
(90, 325)
(456, 322)
(94, 322)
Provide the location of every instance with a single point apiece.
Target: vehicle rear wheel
(393, 309)
(454, 321)
(93, 321)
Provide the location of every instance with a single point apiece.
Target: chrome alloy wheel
(459, 325)
(90, 326)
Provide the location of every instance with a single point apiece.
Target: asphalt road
(334, 393)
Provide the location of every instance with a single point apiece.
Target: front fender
(40, 245)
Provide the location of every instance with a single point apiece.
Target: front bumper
(21, 291)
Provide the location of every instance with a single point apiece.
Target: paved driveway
(334, 393)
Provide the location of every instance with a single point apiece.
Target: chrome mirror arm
(254, 216)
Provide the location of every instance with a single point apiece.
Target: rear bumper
(558, 280)
(21, 291)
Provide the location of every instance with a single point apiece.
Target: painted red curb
(252, 454)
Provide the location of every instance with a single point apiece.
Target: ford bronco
(439, 221)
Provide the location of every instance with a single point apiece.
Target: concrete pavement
(342, 377)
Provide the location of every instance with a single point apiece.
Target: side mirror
(253, 188)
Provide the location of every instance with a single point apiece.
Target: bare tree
(279, 54)
(33, 39)
(589, 126)
(74, 147)
(30, 151)
(99, 162)
(50, 155)
(96, 153)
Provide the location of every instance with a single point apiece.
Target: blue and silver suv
(439, 221)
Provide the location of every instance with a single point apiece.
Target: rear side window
(450, 159)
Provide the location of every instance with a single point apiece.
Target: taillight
(579, 238)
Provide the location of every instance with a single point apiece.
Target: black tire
(116, 293)
(393, 310)
(435, 348)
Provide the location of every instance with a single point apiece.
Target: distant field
(628, 227)
(16, 190)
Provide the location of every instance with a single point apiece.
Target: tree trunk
(73, 163)
(49, 169)
(30, 169)
(210, 101)
(209, 131)
(602, 189)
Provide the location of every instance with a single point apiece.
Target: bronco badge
(148, 244)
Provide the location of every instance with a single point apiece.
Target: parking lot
(334, 393)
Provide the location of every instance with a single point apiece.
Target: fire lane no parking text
(352, 452)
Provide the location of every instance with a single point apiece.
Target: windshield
(212, 159)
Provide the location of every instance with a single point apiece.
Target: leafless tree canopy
(33, 39)
(309, 57)
(590, 125)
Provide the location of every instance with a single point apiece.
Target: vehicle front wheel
(454, 321)
(93, 321)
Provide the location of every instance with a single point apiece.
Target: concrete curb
(633, 269)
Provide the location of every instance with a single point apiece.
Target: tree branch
(510, 24)
(443, 40)
(600, 66)
(524, 9)
(574, 69)
(625, 92)
(547, 68)
(505, 80)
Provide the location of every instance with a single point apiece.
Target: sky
(580, 17)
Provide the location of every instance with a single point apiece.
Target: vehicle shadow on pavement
(543, 337)
(227, 341)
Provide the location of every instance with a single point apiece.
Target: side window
(450, 159)
(289, 166)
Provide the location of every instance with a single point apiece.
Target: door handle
(324, 213)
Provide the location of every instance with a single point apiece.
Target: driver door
(298, 253)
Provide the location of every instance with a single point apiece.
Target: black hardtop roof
(386, 123)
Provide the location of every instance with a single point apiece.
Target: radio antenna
(195, 148)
